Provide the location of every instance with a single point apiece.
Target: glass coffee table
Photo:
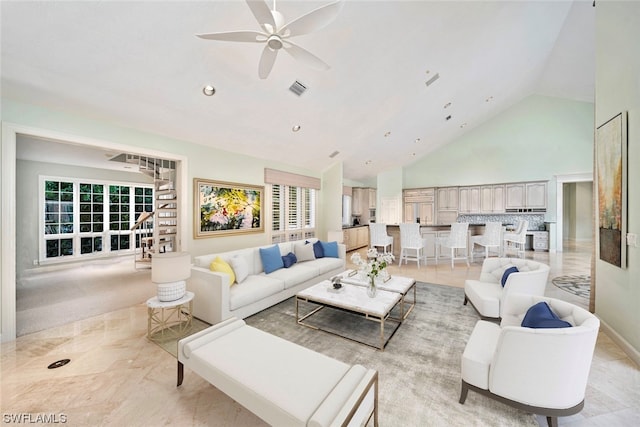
(352, 299)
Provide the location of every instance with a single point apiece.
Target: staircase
(157, 231)
(165, 224)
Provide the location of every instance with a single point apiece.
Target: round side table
(169, 319)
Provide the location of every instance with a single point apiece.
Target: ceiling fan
(276, 33)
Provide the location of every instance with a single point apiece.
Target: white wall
(618, 90)
(534, 140)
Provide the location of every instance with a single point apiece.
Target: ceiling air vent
(297, 88)
(432, 79)
(335, 153)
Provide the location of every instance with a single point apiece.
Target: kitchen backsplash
(536, 221)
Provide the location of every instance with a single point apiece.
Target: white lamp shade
(170, 267)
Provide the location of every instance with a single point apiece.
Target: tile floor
(118, 378)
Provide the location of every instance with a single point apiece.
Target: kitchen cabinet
(536, 195)
(448, 198)
(355, 238)
(469, 200)
(356, 201)
(362, 237)
(419, 195)
(372, 198)
(492, 198)
(430, 242)
(515, 196)
(540, 240)
(526, 196)
(423, 211)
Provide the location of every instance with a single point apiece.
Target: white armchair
(378, 237)
(542, 371)
(488, 296)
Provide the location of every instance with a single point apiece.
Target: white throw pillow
(240, 267)
(304, 252)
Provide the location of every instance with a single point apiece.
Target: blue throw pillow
(330, 249)
(289, 259)
(271, 259)
(540, 315)
(506, 274)
(317, 249)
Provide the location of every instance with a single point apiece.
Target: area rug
(420, 367)
(576, 284)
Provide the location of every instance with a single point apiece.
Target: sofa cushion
(252, 289)
(506, 274)
(221, 266)
(271, 259)
(289, 259)
(304, 252)
(484, 296)
(540, 315)
(326, 264)
(330, 249)
(294, 275)
(317, 249)
(240, 267)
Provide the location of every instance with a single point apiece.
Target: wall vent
(297, 88)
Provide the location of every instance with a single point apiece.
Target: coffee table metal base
(380, 319)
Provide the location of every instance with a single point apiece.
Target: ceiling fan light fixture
(208, 90)
(296, 128)
(274, 42)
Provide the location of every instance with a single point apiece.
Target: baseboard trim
(628, 349)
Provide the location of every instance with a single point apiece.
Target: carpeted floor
(420, 367)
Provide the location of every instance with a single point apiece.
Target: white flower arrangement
(377, 262)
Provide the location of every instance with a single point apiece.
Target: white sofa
(216, 300)
(488, 296)
(283, 383)
(539, 370)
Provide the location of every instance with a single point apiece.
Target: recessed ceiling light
(489, 99)
(417, 140)
(387, 133)
(296, 128)
(413, 154)
(447, 105)
(368, 162)
(448, 117)
(463, 125)
(208, 90)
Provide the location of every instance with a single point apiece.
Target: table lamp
(169, 271)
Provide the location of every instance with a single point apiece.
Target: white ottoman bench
(281, 382)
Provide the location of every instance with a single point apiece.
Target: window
(86, 218)
(293, 212)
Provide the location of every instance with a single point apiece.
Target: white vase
(372, 289)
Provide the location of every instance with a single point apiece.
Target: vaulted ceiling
(140, 65)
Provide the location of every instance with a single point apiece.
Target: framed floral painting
(223, 208)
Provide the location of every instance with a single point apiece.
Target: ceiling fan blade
(236, 36)
(267, 59)
(305, 56)
(312, 21)
(262, 13)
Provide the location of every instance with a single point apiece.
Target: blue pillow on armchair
(540, 315)
(506, 274)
